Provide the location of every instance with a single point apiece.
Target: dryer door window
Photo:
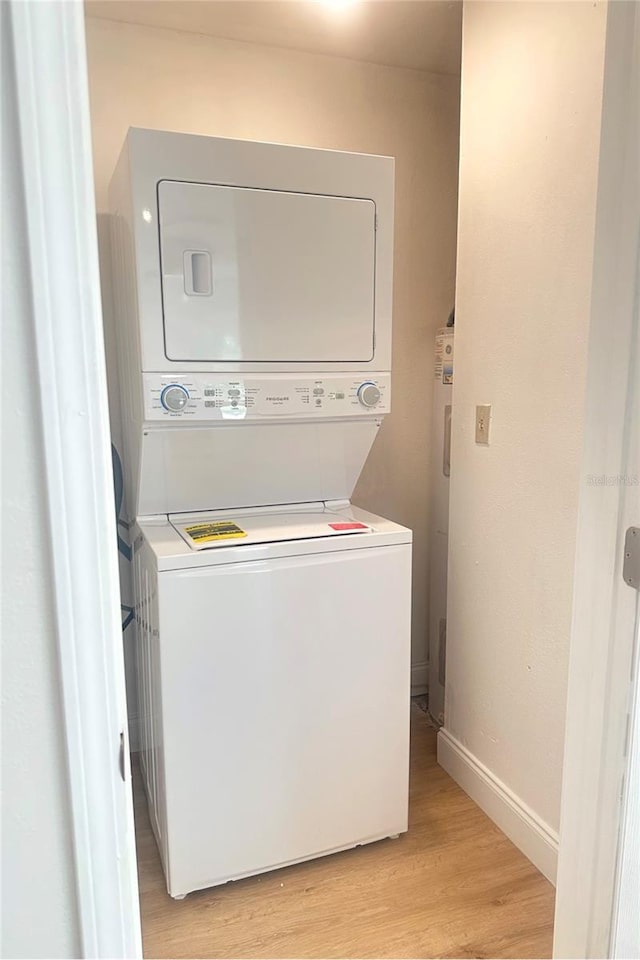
(265, 276)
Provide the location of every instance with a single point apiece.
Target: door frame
(52, 105)
(605, 609)
(50, 51)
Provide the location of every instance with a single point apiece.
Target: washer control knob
(368, 394)
(174, 398)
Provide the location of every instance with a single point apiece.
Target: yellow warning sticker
(218, 530)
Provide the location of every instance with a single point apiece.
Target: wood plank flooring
(453, 886)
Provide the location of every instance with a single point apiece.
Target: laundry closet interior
(346, 510)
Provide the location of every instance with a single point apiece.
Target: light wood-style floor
(453, 886)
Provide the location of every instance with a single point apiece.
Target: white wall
(39, 917)
(530, 124)
(143, 76)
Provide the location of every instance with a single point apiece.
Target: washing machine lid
(254, 275)
(218, 529)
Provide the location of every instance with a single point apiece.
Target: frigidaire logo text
(277, 398)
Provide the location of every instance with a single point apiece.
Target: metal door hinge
(631, 563)
(121, 757)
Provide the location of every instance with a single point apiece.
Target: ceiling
(422, 34)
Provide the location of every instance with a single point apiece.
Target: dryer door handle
(197, 273)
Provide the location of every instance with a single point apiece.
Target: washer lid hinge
(631, 562)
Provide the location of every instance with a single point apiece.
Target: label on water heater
(443, 366)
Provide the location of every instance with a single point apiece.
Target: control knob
(174, 398)
(368, 394)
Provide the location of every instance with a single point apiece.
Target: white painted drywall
(145, 76)
(530, 124)
(39, 915)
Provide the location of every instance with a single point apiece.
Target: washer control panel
(210, 397)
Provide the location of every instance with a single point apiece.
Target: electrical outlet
(483, 421)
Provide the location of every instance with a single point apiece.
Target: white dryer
(253, 300)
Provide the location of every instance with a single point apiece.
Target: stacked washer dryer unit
(253, 287)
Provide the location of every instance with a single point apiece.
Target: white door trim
(55, 140)
(625, 936)
(604, 614)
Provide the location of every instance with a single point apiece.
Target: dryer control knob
(368, 394)
(174, 398)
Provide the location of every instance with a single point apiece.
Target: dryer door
(265, 276)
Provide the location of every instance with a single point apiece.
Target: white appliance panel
(171, 551)
(150, 157)
(148, 685)
(265, 276)
(272, 752)
(239, 464)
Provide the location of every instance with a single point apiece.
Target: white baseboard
(524, 828)
(419, 677)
